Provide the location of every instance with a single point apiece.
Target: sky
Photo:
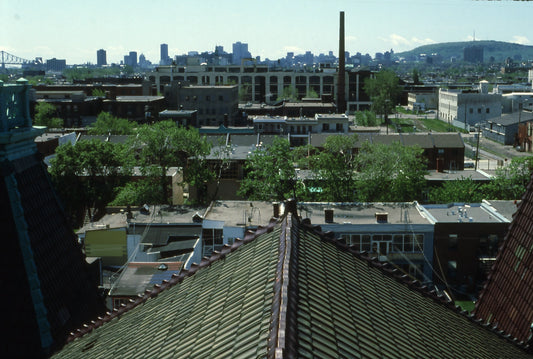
(75, 29)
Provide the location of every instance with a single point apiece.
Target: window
(208, 98)
(419, 242)
(325, 127)
(397, 243)
(478, 110)
(408, 243)
(212, 239)
(471, 110)
(339, 127)
(487, 110)
(365, 242)
(452, 241)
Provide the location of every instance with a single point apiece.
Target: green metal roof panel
(199, 317)
(242, 304)
(347, 304)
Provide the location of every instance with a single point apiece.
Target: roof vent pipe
(275, 206)
(328, 215)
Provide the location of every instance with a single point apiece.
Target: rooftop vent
(382, 217)
(275, 206)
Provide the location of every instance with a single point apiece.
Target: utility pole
(477, 146)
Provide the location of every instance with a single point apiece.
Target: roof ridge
(175, 279)
(414, 285)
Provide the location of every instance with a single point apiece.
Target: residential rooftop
(240, 213)
(463, 212)
(290, 291)
(361, 213)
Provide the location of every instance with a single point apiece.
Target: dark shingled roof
(289, 291)
(36, 235)
(507, 298)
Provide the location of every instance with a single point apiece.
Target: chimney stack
(341, 93)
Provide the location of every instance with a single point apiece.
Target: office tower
(164, 54)
(240, 51)
(101, 58)
(133, 58)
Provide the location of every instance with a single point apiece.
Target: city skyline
(75, 31)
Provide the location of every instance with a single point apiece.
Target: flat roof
(362, 213)
(241, 213)
(465, 212)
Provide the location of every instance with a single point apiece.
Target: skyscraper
(240, 51)
(164, 54)
(131, 59)
(101, 58)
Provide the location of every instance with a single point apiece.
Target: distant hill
(499, 49)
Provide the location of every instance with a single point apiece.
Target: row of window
(385, 243)
(471, 110)
(207, 98)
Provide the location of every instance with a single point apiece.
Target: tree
(108, 124)
(45, 116)
(165, 144)
(245, 93)
(383, 90)
(416, 77)
(289, 93)
(511, 181)
(87, 174)
(98, 93)
(335, 167)
(461, 190)
(311, 93)
(393, 173)
(138, 193)
(270, 173)
(366, 118)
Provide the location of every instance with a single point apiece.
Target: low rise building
(215, 104)
(466, 241)
(466, 108)
(393, 232)
(505, 129)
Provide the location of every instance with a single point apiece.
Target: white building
(465, 108)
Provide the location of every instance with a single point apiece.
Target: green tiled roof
(290, 291)
(351, 307)
(223, 310)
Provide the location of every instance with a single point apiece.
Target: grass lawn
(440, 126)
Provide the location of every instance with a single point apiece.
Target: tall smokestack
(341, 94)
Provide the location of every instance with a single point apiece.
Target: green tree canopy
(164, 145)
(461, 190)
(392, 173)
(45, 115)
(87, 174)
(383, 90)
(334, 169)
(511, 181)
(366, 118)
(109, 124)
(270, 173)
(289, 93)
